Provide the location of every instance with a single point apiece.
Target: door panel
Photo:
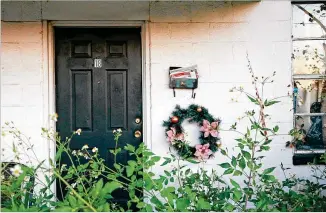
(98, 99)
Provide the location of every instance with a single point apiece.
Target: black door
(99, 87)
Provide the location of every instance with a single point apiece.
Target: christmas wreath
(209, 128)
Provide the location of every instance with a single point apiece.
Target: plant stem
(74, 192)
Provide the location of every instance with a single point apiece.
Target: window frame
(301, 156)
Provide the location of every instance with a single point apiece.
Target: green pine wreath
(209, 127)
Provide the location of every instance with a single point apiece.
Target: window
(309, 78)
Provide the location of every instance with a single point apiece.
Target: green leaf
(155, 158)
(140, 205)
(235, 184)
(130, 170)
(59, 152)
(203, 204)
(129, 148)
(157, 202)
(182, 204)
(132, 163)
(229, 207)
(228, 171)
(167, 173)
(111, 186)
(234, 161)
(246, 154)
(268, 170)
(72, 201)
(63, 209)
(223, 152)
(225, 165)
(98, 186)
(237, 173)
(276, 128)
(106, 207)
(255, 101)
(117, 166)
(192, 161)
(237, 195)
(167, 161)
(270, 103)
(242, 163)
(269, 177)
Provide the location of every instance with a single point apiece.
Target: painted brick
(160, 33)
(189, 32)
(101, 10)
(11, 95)
(270, 31)
(221, 32)
(170, 11)
(21, 32)
(202, 11)
(261, 11)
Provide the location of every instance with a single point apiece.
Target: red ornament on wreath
(174, 119)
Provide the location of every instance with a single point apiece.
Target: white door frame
(49, 72)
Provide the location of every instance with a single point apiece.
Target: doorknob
(137, 120)
(137, 134)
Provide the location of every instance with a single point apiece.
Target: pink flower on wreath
(172, 135)
(202, 151)
(209, 128)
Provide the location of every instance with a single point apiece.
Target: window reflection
(312, 129)
(304, 25)
(307, 93)
(309, 57)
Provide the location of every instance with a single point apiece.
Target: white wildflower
(86, 157)
(94, 149)
(16, 170)
(63, 166)
(85, 147)
(54, 117)
(80, 153)
(73, 185)
(74, 152)
(26, 178)
(78, 131)
(114, 131)
(119, 130)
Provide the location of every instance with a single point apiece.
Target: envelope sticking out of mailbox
(184, 77)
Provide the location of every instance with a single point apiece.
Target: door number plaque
(97, 63)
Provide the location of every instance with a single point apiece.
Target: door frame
(48, 57)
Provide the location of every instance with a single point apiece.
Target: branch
(312, 16)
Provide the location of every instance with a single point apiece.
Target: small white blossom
(26, 178)
(63, 166)
(54, 117)
(94, 149)
(73, 185)
(85, 147)
(78, 131)
(119, 130)
(16, 170)
(74, 152)
(114, 131)
(86, 157)
(80, 153)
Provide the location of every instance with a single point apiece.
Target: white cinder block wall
(21, 82)
(213, 35)
(216, 37)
